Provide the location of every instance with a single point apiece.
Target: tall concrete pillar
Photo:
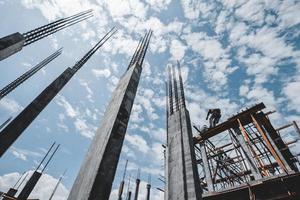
(14, 84)
(137, 185)
(129, 195)
(182, 179)
(96, 175)
(11, 44)
(24, 194)
(35, 177)
(10, 194)
(148, 191)
(15, 128)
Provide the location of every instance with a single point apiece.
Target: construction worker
(215, 115)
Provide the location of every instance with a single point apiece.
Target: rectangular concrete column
(11, 44)
(97, 172)
(15, 128)
(10, 194)
(182, 174)
(24, 194)
(96, 175)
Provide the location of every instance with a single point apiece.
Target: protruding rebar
(128, 189)
(55, 150)
(134, 55)
(171, 107)
(4, 123)
(57, 184)
(146, 47)
(18, 180)
(10, 87)
(44, 31)
(45, 156)
(182, 99)
(175, 88)
(121, 188)
(15, 128)
(148, 187)
(85, 58)
(137, 186)
(141, 50)
(27, 173)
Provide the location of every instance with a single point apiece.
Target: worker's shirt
(216, 112)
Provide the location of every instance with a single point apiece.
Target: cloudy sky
(234, 53)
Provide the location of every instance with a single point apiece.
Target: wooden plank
(244, 117)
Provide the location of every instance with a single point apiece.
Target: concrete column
(182, 175)
(15, 128)
(129, 195)
(24, 194)
(137, 186)
(148, 191)
(10, 194)
(96, 175)
(11, 44)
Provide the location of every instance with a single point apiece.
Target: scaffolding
(246, 151)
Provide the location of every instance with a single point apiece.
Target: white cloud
(158, 5)
(54, 9)
(216, 60)
(85, 84)
(81, 124)
(138, 142)
(19, 155)
(145, 98)
(190, 9)
(10, 105)
(258, 94)
(136, 113)
(177, 49)
(194, 9)
(101, 73)
(291, 90)
(70, 111)
(198, 112)
(159, 134)
(23, 154)
(288, 12)
(261, 67)
(8, 180)
(42, 190)
(252, 11)
(84, 128)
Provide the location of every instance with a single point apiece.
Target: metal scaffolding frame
(243, 149)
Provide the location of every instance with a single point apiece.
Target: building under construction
(244, 157)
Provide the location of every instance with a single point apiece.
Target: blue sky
(233, 54)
